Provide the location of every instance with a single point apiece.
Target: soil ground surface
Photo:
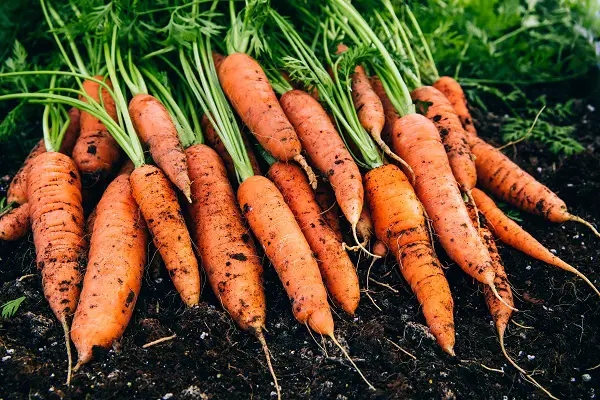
(212, 359)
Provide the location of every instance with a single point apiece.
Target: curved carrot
(506, 180)
(157, 201)
(455, 94)
(229, 258)
(509, 232)
(17, 191)
(96, 152)
(441, 112)
(247, 87)
(335, 265)
(326, 150)
(400, 225)
(114, 274)
(15, 224)
(275, 227)
(331, 211)
(155, 127)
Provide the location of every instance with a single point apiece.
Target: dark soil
(212, 358)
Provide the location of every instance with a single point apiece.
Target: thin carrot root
(584, 222)
(359, 245)
(70, 369)
(312, 179)
(582, 276)
(388, 152)
(495, 291)
(332, 336)
(261, 338)
(521, 370)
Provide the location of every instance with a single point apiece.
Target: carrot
(247, 87)
(17, 191)
(157, 201)
(326, 150)
(391, 115)
(155, 127)
(114, 273)
(336, 268)
(417, 141)
(54, 192)
(506, 180)
(96, 152)
(15, 223)
(379, 249)
(509, 232)
(455, 94)
(331, 211)
(72, 132)
(440, 111)
(226, 247)
(400, 225)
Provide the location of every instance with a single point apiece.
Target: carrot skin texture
(365, 227)
(337, 270)
(400, 225)
(229, 258)
(391, 115)
(326, 150)
(72, 132)
(331, 211)
(155, 127)
(54, 192)
(453, 135)
(96, 152)
(418, 142)
(15, 224)
(157, 201)
(17, 191)
(275, 227)
(367, 103)
(455, 94)
(114, 273)
(249, 91)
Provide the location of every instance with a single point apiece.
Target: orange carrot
(15, 224)
(379, 249)
(335, 265)
(364, 227)
(17, 191)
(158, 203)
(400, 225)
(326, 150)
(391, 115)
(440, 111)
(506, 180)
(247, 87)
(96, 152)
(72, 132)
(509, 232)
(455, 94)
(114, 273)
(331, 211)
(155, 127)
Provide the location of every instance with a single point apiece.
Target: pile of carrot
(388, 179)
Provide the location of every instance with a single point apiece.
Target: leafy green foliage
(10, 308)
(510, 212)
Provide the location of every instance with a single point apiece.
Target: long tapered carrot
(400, 224)
(337, 269)
(157, 201)
(247, 87)
(455, 94)
(226, 247)
(509, 232)
(276, 229)
(155, 127)
(116, 262)
(506, 180)
(15, 224)
(326, 150)
(441, 112)
(96, 152)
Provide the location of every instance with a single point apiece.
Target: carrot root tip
(312, 179)
(359, 244)
(386, 149)
(450, 350)
(584, 222)
(332, 336)
(263, 342)
(65, 327)
(495, 291)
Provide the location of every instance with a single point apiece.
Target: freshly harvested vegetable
(364, 227)
(391, 115)
(14, 224)
(116, 262)
(455, 94)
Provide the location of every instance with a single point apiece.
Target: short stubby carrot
(455, 94)
(155, 127)
(400, 224)
(17, 190)
(337, 270)
(417, 141)
(391, 115)
(114, 273)
(275, 226)
(157, 201)
(15, 224)
(226, 247)
(507, 181)
(331, 211)
(441, 112)
(326, 150)
(96, 152)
